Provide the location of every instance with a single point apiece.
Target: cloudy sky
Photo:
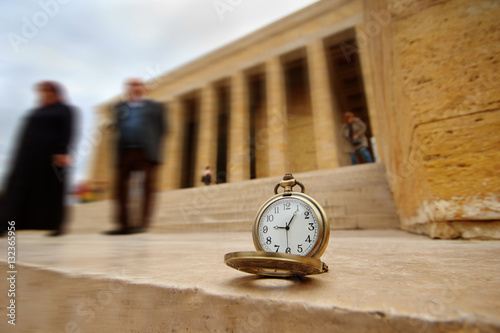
(91, 46)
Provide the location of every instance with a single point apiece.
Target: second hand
(287, 228)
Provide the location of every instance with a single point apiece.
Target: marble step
(379, 281)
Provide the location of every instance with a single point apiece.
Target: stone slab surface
(380, 280)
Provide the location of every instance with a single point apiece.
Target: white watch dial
(288, 225)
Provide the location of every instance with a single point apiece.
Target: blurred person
(84, 193)
(140, 124)
(36, 183)
(353, 131)
(207, 176)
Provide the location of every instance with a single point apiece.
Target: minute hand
(288, 224)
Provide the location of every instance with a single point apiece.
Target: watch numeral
(270, 218)
(299, 248)
(308, 239)
(268, 240)
(286, 206)
(277, 247)
(311, 226)
(265, 229)
(306, 213)
(276, 210)
(288, 250)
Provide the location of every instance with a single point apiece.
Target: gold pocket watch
(291, 232)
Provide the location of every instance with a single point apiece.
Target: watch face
(288, 225)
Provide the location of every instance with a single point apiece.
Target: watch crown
(288, 183)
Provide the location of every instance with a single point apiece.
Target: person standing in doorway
(207, 176)
(353, 131)
(140, 124)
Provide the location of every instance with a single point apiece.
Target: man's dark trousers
(134, 159)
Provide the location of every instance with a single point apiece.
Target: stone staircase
(354, 197)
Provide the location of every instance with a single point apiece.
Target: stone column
(172, 168)
(367, 72)
(206, 154)
(239, 130)
(326, 128)
(102, 161)
(276, 117)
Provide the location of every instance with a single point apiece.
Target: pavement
(379, 281)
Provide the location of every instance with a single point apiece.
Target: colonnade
(323, 109)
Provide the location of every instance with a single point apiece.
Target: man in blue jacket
(141, 124)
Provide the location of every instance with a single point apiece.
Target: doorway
(347, 83)
(258, 126)
(191, 116)
(223, 108)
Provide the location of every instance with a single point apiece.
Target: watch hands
(287, 226)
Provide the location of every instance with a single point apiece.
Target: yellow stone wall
(434, 68)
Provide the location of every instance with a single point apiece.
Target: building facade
(422, 74)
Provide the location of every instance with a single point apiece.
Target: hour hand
(276, 227)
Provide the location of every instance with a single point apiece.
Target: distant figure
(34, 195)
(353, 131)
(140, 124)
(207, 176)
(84, 193)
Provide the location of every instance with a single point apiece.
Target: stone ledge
(379, 281)
(486, 230)
(118, 305)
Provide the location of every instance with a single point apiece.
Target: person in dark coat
(140, 124)
(34, 192)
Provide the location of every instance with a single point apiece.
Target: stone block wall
(435, 71)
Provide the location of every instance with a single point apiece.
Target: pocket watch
(290, 232)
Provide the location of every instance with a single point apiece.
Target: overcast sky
(91, 46)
